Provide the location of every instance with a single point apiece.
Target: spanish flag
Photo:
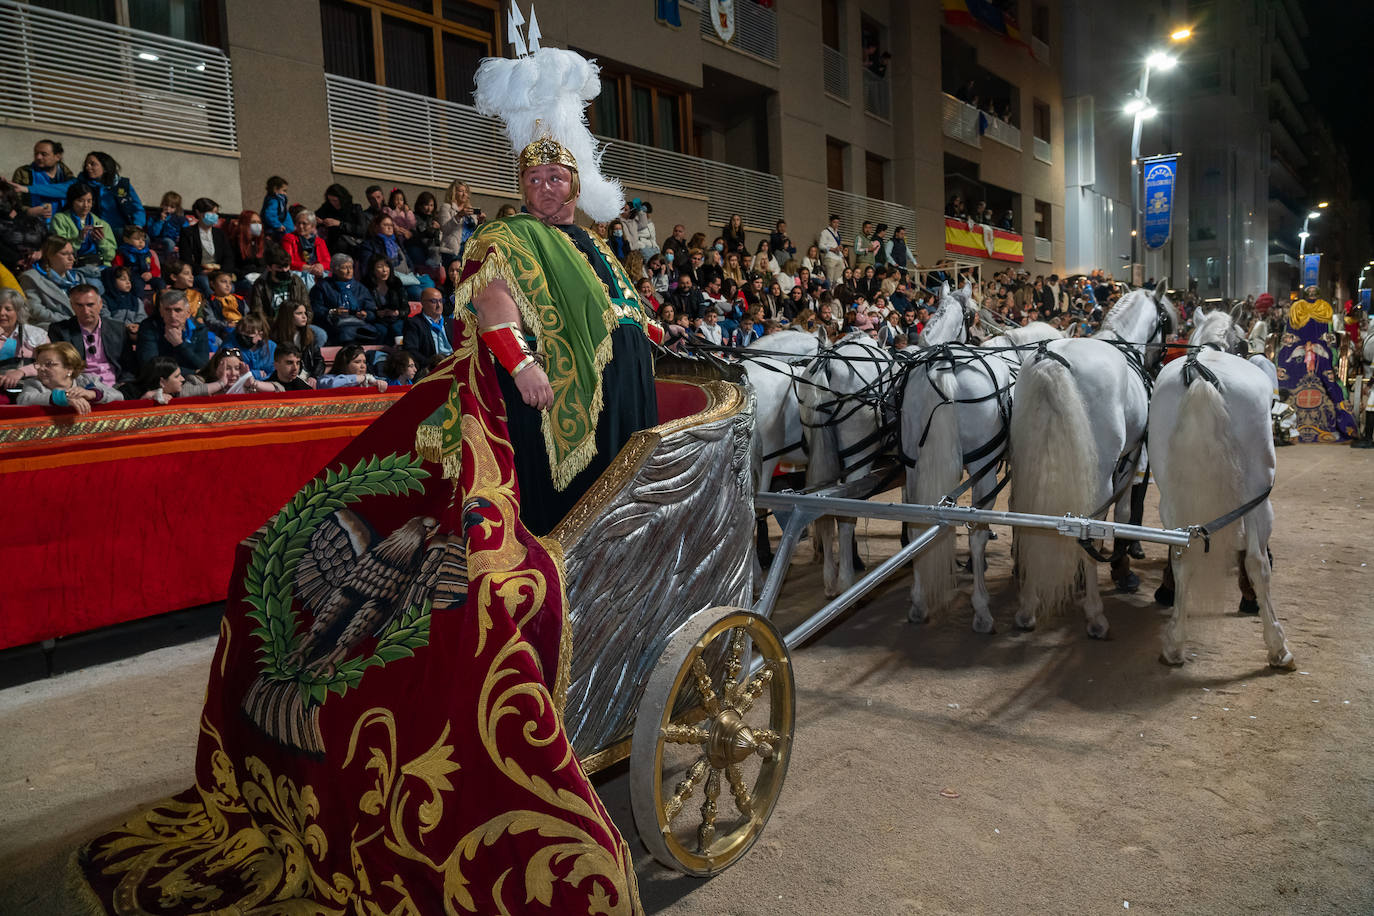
(983, 14)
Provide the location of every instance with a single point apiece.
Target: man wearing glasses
(103, 344)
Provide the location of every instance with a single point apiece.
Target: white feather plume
(546, 94)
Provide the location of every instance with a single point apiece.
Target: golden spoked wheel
(708, 722)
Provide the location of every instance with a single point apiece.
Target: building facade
(804, 109)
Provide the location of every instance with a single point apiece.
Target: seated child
(399, 368)
(159, 380)
(350, 369)
(225, 308)
(134, 253)
(60, 380)
(259, 351)
(179, 276)
(119, 298)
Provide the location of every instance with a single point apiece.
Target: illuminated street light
(1314, 215)
(1323, 205)
(1304, 234)
(1181, 34)
(1149, 112)
(1160, 60)
(1134, 105)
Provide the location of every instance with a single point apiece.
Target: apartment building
(785, 110)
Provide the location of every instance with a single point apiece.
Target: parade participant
(1305, 367)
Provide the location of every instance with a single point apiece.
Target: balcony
(1039, 50)
(1283, 143)
(1001, 131)
(983, 241)
(877, 95)
(1044, 250)
(122, 83)
(1043, 151)
(835, 72)
(853, 209)
(386, 133)
(756, 30)
(959, 121)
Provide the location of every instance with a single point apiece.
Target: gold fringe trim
(452, 466)
(563, 677)
(429, 443)
(79, 890)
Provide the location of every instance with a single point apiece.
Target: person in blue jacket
(343, 306)
(276, 215)
(45, 180)
(117, 202)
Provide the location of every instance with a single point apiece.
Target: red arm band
(654, 330)
(508, 346)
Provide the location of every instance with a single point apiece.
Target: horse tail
(1201, 481)
(931, 442)
(1053, 472)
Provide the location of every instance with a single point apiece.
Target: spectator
(390, 300)
(687, 299)
(145, 271)
(227, 373)
(224, 308)
(47, 283)
(60, 380)
(746, 333)
(424, 244)
(648, 296)
(634, 266)
(732, 269)
(257, 348)
(955, 209)
(764, 262)
(277, 285)
(344, 307)
(306, 249)
(882, 255)
(710, 329)
(675, 248)
(18, 340)
(92, 237)
(383, 243)
(123, 305)
(428, 336)
(458, 220)
(798, 301)
(45, 180)
(832, 250)
(105, 344)
(341, 220)
(248, 239)
(402, 217)
(292, 326)
(734, 235)
(286, 369)
(900, 255)
(116, 200)
(350, 370)
(179, 277)
(779, 242)
(812, 261)
(641, 230)
(21, 235)
(659, 274)
(399, 369)
(203, 244)
(174, 333)
(165, 230)
(375, 206)
(276, 210)
(617, 241)
(160, 379)
(864, 246)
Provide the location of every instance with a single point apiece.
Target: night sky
(1340, 79)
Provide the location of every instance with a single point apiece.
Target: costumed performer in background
(551, 300)
(383, 727)
(1305, 368)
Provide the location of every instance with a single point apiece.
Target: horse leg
(1025, 612)
(1125, 580)
(845, 553)
(977, 551)
(1175, 631)
(824, 534)
(1258, 568)
(1248, 603)
(1133, 547)
(1164, 595)
(1092, 600)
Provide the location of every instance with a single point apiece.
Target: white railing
(999, 130)
(1043, 151)
(1039, 50)
(1044, 250)
(853, 209)
(756, 29)
(877, 95)
(92, 77)
(960, 121)
(835, 71)
(386, 133)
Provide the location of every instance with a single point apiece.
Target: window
(1040, 22)
(430, 47)
(834, 163)
(640, 110)
(830, 24)
(188, 20)
(1042, 119)
(875, 172)
(1043, 227)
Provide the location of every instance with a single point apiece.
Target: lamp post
(1304, 234)
(1140, 107)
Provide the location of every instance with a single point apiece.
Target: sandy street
(1089, 777)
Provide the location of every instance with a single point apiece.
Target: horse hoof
(1249, 606)
(1025, 623)
(983, 625)
(1164, 597)
(1286, 661)
(1171, 662)
(1135, 551)
(918, 615)
(1128, 583)
(1098, 629)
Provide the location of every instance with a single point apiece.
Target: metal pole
(1137, 222)
(1302, 240)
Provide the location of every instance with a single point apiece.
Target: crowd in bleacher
(107, 299)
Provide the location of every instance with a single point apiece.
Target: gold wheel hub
(732, 740)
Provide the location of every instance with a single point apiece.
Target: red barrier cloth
(383, 725)
(135, 509)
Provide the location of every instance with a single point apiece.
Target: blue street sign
(1160, 173)
(1311, 267)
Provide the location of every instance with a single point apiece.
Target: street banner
(1364, 299)
(1311, 267)
(1160, 172)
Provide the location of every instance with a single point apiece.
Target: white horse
(1081, 411)
(777, 414)
(1214, 453)
(956, 407)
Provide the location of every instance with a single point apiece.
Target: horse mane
(1112, 320)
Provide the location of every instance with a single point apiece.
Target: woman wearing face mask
(249, 241)
(619, 244)
(203, 243)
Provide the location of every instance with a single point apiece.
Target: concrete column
(918, 168)
(277, 53)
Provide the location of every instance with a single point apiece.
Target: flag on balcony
(983, 14)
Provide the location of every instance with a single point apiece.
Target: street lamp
(1304, 234)
(1140, 107)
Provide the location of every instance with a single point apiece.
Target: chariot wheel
(708, 724)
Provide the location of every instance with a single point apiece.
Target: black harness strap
(1193, 369)
(1217, 524)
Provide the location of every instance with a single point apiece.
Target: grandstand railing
(379, 132)
(835, 71)
(64, 71)
(853, 209)
(756, 29)
(960, 121)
